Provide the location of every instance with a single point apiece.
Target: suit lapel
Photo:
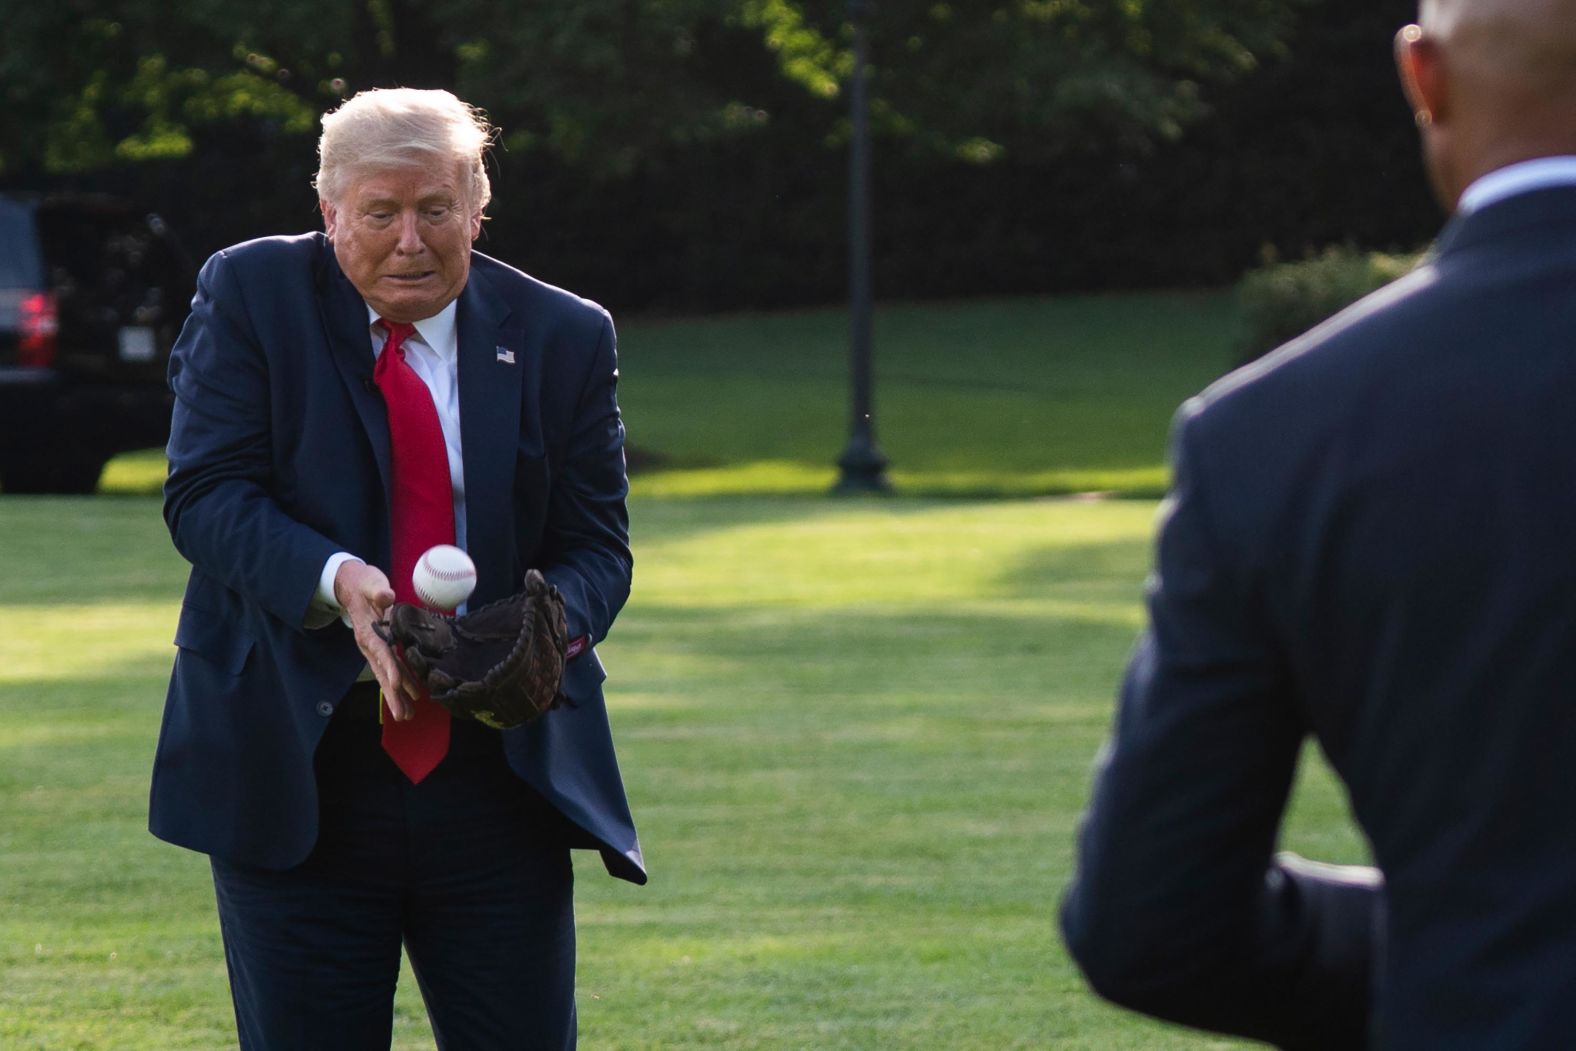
(491, 366)
(345, 322)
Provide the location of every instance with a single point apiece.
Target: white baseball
(444, 577)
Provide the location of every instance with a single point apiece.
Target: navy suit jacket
(1371, 539)
(279, 457)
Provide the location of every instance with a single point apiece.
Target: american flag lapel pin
(505, 355)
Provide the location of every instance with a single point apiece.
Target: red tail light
(39, 324)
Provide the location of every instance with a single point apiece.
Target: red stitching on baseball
(446, 574)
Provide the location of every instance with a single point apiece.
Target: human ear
(1419, 62)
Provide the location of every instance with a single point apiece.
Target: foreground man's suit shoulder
(1369, 541)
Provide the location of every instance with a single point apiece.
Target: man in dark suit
(1371, 539)
(343, 402)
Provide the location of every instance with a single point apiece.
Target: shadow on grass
(1077, 568)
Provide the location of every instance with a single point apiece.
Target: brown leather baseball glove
(500, 665)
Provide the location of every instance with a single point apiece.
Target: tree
(979, 79)
(88, 87)
(606, 83)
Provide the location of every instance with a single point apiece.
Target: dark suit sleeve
(585, 549)
(217, 499)
(1179, 907)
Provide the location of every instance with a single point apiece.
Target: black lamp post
(862, 463)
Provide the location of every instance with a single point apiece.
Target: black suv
(92, 294)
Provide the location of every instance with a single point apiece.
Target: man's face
(403, 237)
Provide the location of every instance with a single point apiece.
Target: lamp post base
(863, 470)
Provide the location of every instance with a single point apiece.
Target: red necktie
(421, 514)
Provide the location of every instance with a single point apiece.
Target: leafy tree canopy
(1038, 78)
(605, 84)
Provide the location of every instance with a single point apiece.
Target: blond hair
(387, 128)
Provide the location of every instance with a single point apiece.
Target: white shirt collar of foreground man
(1515, 179)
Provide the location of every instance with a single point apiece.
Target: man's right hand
(366, 595)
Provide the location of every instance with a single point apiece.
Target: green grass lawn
(1020, 397)
(856, 733)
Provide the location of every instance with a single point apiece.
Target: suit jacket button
(325, 709)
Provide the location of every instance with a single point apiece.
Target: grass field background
(856, 734)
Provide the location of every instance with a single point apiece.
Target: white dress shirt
(1514, 179)
(433, 353)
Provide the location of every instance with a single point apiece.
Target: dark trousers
(469, 870)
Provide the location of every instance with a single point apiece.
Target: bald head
(1492, 82)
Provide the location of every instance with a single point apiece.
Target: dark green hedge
(1282, 301)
